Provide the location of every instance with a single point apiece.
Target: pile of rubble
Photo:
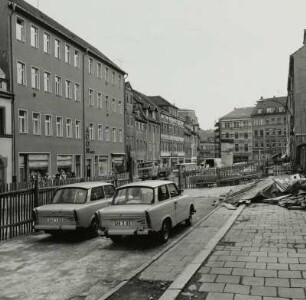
(289, 192)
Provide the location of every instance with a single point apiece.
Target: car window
(97, 193)
(173, 190)
(70, 195)
(109, 191)
(134, 195)
(163, 193)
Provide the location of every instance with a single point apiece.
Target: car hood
(124, 209)
(58, 207)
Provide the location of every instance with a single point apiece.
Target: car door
(109, 191)
(179, 203)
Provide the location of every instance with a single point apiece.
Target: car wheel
(188, 221)
(93, 229)
(165, 231)
(115, 238)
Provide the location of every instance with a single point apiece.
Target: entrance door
(89, 167)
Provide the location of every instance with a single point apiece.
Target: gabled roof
(27, 8)
(237, 113)
(268, 102)
(160, 101)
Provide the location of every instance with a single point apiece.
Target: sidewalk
(262, 257)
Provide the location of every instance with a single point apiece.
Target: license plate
(55, 220)
(122, 223)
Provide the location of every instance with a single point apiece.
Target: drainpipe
(84, 115)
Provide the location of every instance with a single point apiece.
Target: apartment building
(68, 97)
(207, 144)
(172, 133)
(236, 128)
(269, 128)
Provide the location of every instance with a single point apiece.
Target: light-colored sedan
(73, 207)
(143, 208)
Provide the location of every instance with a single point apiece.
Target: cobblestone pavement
(262, 257)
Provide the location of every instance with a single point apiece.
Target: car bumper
(124, 232)
(56, 227)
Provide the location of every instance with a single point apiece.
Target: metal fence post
(36, 191)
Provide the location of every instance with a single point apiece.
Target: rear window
(70, 195)
(134, 195)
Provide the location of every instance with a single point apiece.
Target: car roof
(148, 183)
(86, 185)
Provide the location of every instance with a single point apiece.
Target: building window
(48, 125)
(91, 132)
(119, 81)
(57, 48)
(58, 85)
(246, 135)
(281, 109)
(67, 53)
(107, 134)
(100, 132)
(20, 29)
(68, 128)
(236, 147)
(246, 147)
(270, 109)
(106, 103)
(114, 135)
(255, 132)
(23, 121)
(47, 43)
(113, 78)
(36, 123)
(99, 100)
(99, 70)
(76, 58)
(90, 97)
(21, 73)
(34, 36)
(90, 65)
(120, 107)
(259, 110)
(47, 82)
(59, 126)
(114, 109)
(68, 91)
(106, 75)
(236, 135)
(35, 78)
(76, 92)
(77, 129)
(120, 135)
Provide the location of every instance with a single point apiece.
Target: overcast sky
(206, 55)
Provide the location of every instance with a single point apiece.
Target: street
(72, 267)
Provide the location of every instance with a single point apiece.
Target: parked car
(73, 208)
(145, 208)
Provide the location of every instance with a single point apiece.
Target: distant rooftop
(237, 113)
(160, 101)
(268, 102)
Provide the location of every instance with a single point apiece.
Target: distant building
(68, 97)
(191, 122)
(172, 133)
(236, 129)
(207, 144)
(269, 128)
(296, 107)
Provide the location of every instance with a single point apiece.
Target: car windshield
(70, 195)
(134, 195)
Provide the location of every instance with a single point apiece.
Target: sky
(207, 55)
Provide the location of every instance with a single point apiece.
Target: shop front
(118, 163)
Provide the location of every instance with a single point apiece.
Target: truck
(148, 170)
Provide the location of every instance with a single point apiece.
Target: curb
(177, 286)
(155, 257)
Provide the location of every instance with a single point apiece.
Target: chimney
(304, 41)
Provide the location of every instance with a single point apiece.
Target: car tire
(188, 221)
(165, 231)
(93, 229)
(116, 238)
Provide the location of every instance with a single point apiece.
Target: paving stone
(288, 260)
(256, 265)
(212, 287)
(298, 283)
(258, 253)
(237, 288)
(225, 271)
(207, 278)
(275, 298)
(278, 254)
(227, 258)
(246, 297)
(282, 282)
(276, 266)
(247, 280)
(216, 264)
(266, 273)
(263, 291)
(243, 272)
(297, 293)
(219, 296)
(289, 274)
(234, 264)
(204, 270)
(298, 267)
(267, 259)
(228, 278)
